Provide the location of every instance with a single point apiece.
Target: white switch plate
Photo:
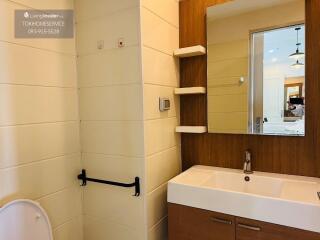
(164, 104)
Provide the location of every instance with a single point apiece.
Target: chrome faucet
(247, 163)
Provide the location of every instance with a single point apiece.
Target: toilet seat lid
(24, 220)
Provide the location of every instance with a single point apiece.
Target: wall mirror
(256, 67)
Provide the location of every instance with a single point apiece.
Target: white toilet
(24, 220)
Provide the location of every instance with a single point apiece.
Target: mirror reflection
(256, 67)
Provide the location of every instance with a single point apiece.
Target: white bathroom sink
(234, 181)
(276, 198)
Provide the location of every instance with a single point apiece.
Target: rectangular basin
(286, 200)
(234, 181)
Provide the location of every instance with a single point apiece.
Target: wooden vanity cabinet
(248, 229)
(187, 223)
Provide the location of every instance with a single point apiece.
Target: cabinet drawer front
(186, 223)
(247, 229)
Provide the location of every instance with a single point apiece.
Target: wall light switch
(164, 104)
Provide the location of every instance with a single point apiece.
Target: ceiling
(278, 45)
(241, 6)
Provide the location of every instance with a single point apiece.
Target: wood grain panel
(268, 231)
(289, 155)
(188, 223)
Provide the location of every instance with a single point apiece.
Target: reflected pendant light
(297, 65)
(297, 55)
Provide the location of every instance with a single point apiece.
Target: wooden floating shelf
(190, 51)
(190, 90)
(191, 129)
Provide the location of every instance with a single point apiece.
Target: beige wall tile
(157, 33)
(112, 137)
(99, 229)
(229, 68)
(159, 68)
(233, 122)
(7, 9)
(223, 81)
(28, 143)
(228, 89)
(160, 36)
(85, 9)
(63, 206)
(47, 150)
(110, 29)
(161, 167)
(26, 104)
(114, 203)
(47, 68)
(228, 50)
(157, 205)
(228, 103)
(113, 145)
(36, 180)
(72, 230)
(110, 67)
(152, 93)
(159, 231)
(166, 9)
(116, 168)
(160, 135)
(122, 102)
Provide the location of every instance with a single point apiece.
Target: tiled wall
(111, 111)
(227, 99)
(160, 36)
(123, 133)
(39, 123)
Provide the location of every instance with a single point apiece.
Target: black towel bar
(83, 177)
